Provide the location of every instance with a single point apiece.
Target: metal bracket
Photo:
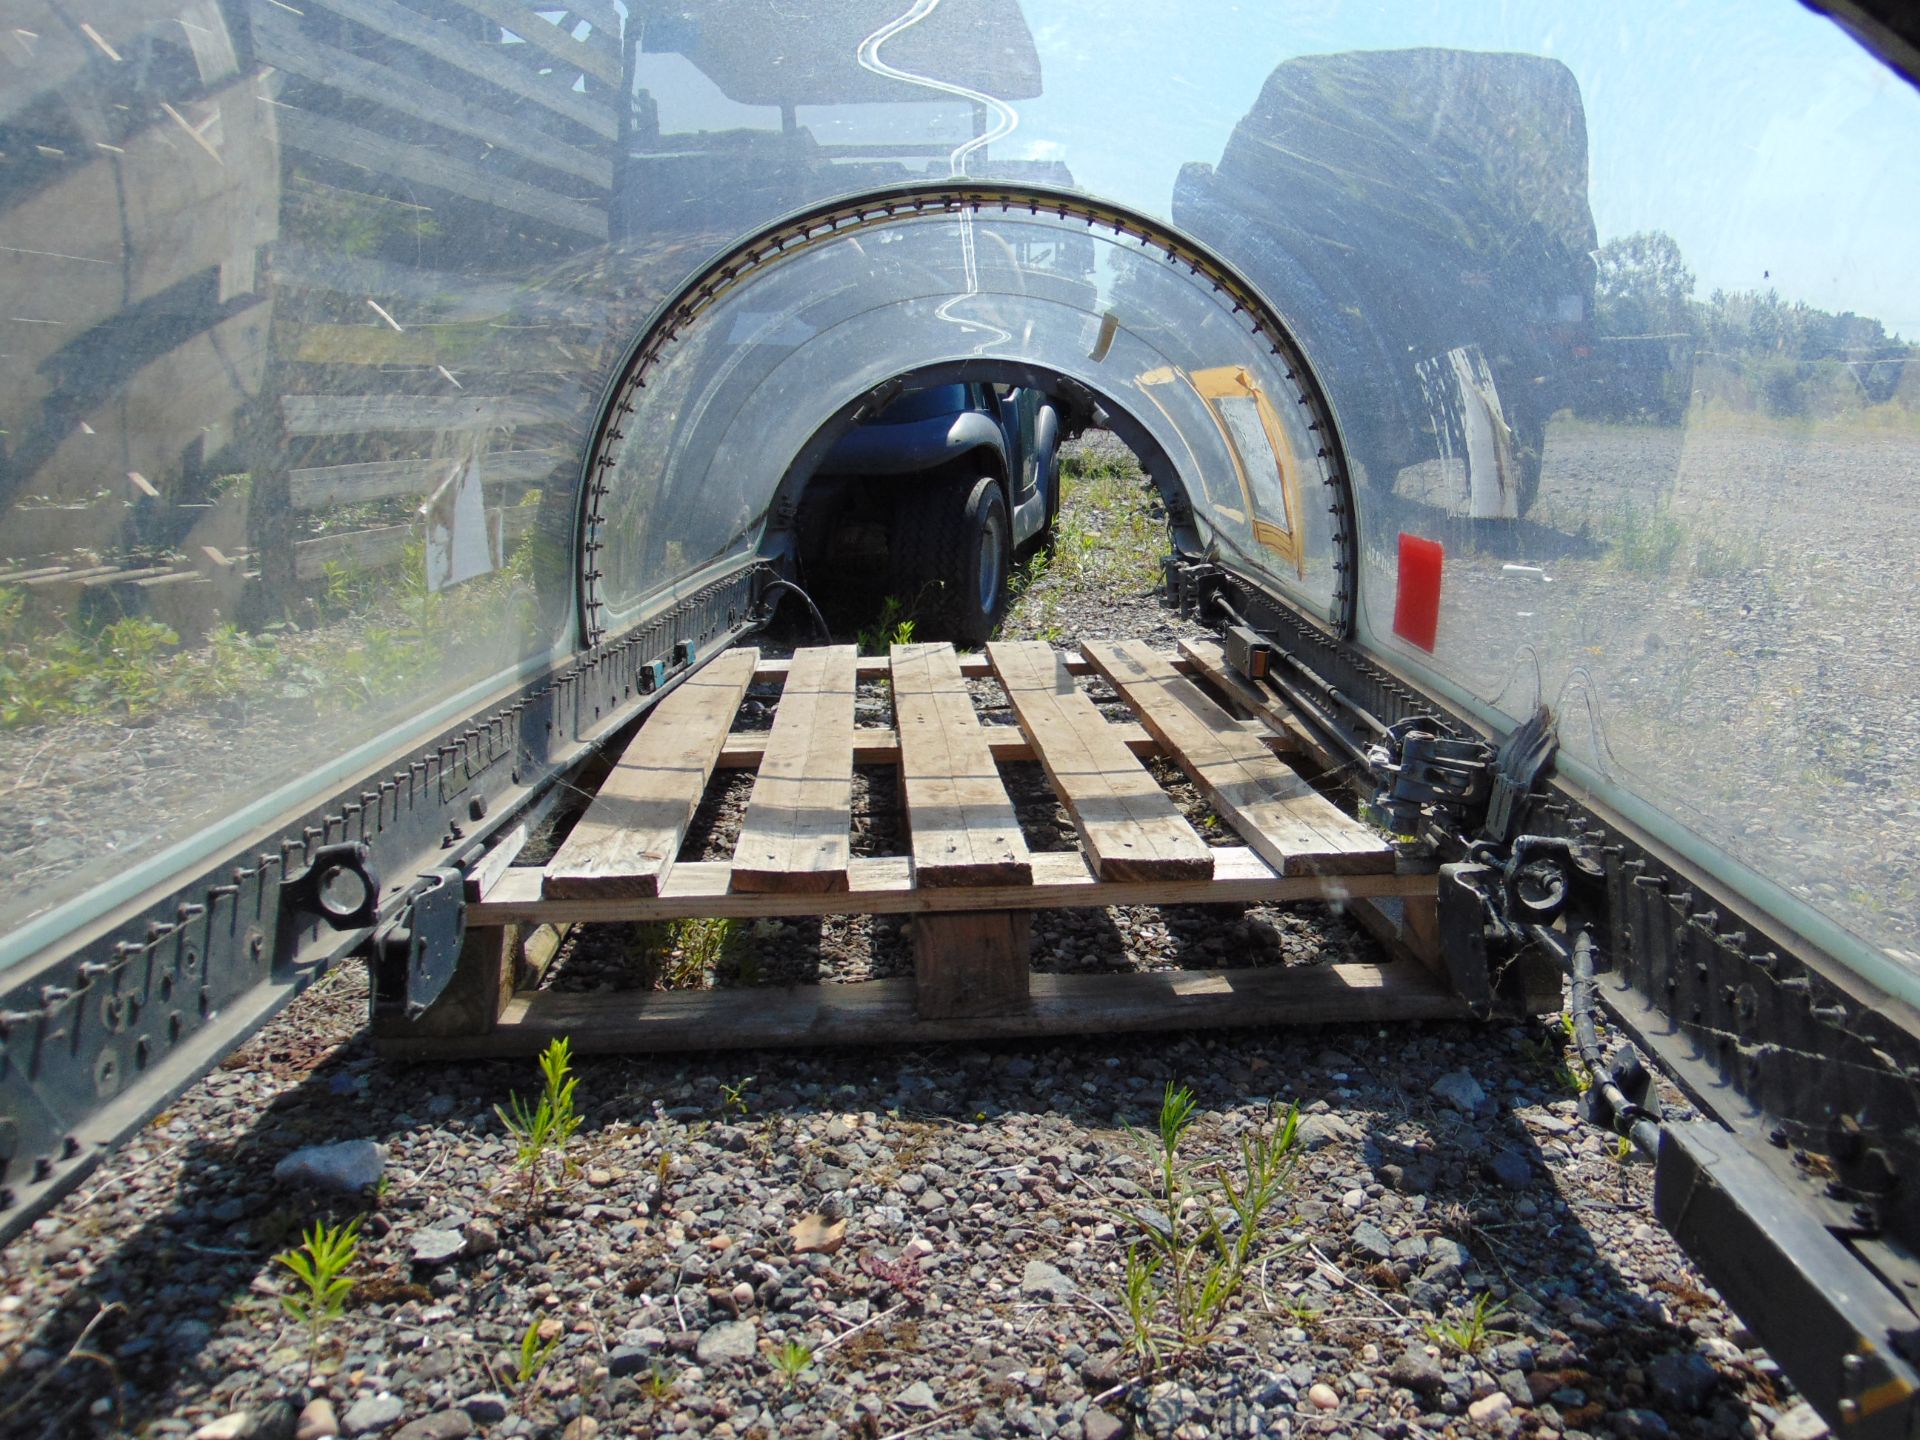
(1466, 937)
(1827, 1318)
(1418, 768)
(415, 956)
(339, 886)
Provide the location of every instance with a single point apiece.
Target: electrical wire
(819, 620)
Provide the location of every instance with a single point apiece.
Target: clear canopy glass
(310, 312)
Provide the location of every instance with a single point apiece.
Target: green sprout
(534, 1354)
(1471, 1331)
(320, 1264)
(792, 1360)
(547, 1126)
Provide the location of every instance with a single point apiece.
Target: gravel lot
(988, 1196)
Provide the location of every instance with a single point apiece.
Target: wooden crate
(969, 881)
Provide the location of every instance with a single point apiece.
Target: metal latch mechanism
(1419, 769)
(416, 954)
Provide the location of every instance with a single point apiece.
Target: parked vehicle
(1456, 164)
(936, 493)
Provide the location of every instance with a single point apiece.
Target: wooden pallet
(969, 882)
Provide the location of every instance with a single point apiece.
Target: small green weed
(733, 1098)
(1662, 541)
(894, 625)
(534, 1354)
(320, 1264)
(704, 947)
(546, 1127)
(1573, 1077)
(1191, 1258)
(659, 1386)
(1468, 1332)
(1108, 539)
(791, 1360)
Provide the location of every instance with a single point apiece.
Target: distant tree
(1642, 286)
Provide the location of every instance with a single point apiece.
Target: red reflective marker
(1416, 609)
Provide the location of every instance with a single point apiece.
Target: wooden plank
(373, 549)
(1297, 829)
(880, 745)
(973, 963)
(884, 885)
(351, 145)
(1209, 660)
(959, 819)
(279, 41)
(773, 670)
(441, 293)
(796, 834)
(1130, 826)
(546, 36)
(487, 870)
(1408, 926)
(319, 486)
(484, 62)
(627, 841)
(483, 983)
(881, 1012)
(366, 414)
(385, 545)
(470, 347)
(599, 14)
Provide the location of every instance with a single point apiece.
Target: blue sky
(1776, 151)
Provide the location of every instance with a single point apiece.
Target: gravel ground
(944, 1229)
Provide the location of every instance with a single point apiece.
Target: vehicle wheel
(958, 533)
(1043, 540)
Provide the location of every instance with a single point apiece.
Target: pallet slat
(1209, 659)
(959, 816)
(884, 1011)
(796, 834)
(1273, 808)
(544, 35)
(351, 145)
(627, 841)
(1130, 826)
(280, 41)
(484, 62)
(366, 414)
(884, 885)
(386, 545)
(773, 670)
(319, 486)
(880, 745)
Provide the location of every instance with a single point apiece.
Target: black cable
(1630, 1119)
(826, 635)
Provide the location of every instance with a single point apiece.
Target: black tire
(956, 534)
(1043, 539)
